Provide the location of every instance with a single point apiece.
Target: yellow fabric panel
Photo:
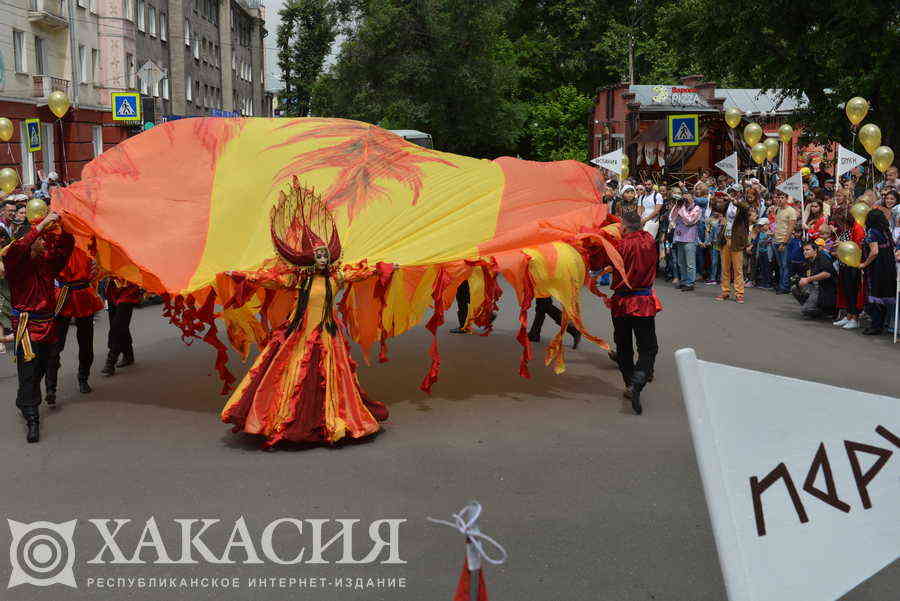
(476, 293)
(457, 208)
(405, 304)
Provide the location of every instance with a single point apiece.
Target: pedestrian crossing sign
(33, 129)
(126, 106)
(684, 130)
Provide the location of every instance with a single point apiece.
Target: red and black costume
(76, 299)
(634, 307)
(122, 297)
(33, 297)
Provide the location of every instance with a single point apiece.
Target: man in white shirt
(651, 205)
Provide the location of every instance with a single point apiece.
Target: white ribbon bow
(465, 522)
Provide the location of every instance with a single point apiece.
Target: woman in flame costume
(303, 386)
(414, 224)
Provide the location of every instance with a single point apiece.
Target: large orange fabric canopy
(178, 207)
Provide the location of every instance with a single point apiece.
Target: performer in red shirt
(634, 307)
(76, 299)
(122, 297)
(31, 263)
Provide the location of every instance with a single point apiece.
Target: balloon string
(62, 144)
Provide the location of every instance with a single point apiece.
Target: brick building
(635, 118)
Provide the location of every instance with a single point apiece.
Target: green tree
(307, 30)
(829, 50)
(557, 125)
(441, 66)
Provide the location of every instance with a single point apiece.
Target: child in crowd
(764, 254)
(714, 227)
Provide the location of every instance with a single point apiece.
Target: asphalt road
(591, 501)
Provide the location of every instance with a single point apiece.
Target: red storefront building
(635, 118)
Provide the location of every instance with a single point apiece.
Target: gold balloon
(9, 179)
(624, 173)
(625, 161)
(733, 117)
(772, 148)
(6, 129)
(786, 133)
(752, 133)
(856, 109)
(870, 136)
(849, 253)
(883, 157)
(859, 211)
(58, 103)
(758, 153)
(35, 210)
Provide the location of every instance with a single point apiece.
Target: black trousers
(120, 329)
(462, 303)
(84, 334)
(28, 397)
(627, 330)
(544, 307)
(849, 281)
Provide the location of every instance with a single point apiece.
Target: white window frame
(141, 15)
(48, 148)
(195, 47)
(93, 6)
(20, 56)
(189, 89)
(97, 139)
(163, 27)
(82, 64)
(151, 25)
(165, 88)
(82, 3)
(187, 33)
(27, 157)
(127, 11)
(95, 65)
(40, 55)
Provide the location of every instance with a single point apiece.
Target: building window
(189, 89)
(187, 33)
(39, 55)
(47, 148)
(27, 157)
(163, 27)
(129, 71)
(19, 50)
(195, 46)
(152, 24)
(95, 65)
(141, 12)
(82, 64)
(127, 9)
(93, 6)
(97, 138)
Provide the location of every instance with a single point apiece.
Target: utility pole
(73, 51)
(631, 57)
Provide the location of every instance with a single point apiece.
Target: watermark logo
(42, 553)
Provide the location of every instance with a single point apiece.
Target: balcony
(45, 84)
(48, 14)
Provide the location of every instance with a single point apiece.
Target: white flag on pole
(802, 480)
(792, 186)
(847, 160)
(611, 161)
(730, 166)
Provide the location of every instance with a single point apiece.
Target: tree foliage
(496, 77)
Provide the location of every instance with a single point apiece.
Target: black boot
(576, 336)
(83, 386)
(109, 368)
(50, 397)
(34, 429)
(638, 381)
(127, 358)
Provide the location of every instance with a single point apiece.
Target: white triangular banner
(802, 480)
(792, 186)
(847, 160)
(611, 161)
(730, 166)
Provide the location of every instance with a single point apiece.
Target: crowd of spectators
(751, 235)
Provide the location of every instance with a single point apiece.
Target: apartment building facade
(186, 58)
